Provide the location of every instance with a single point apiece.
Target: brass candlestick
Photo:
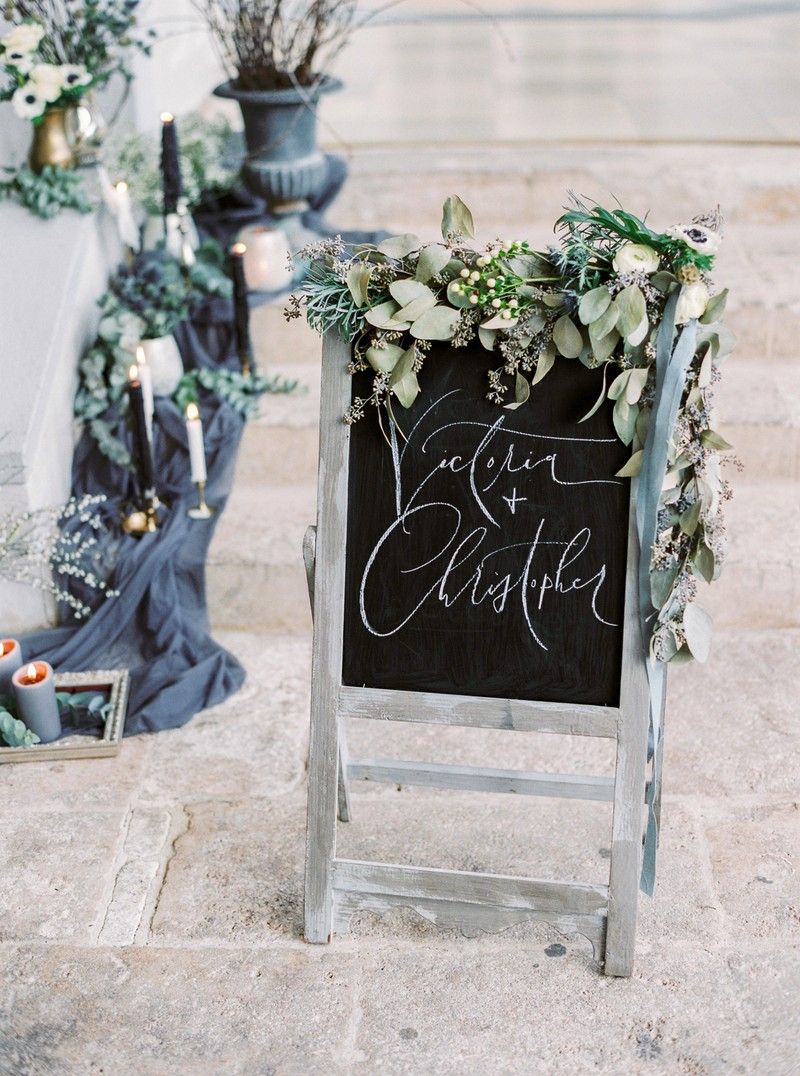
(202, 509)
(143, 520)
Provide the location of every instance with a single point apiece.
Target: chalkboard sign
(486, 549)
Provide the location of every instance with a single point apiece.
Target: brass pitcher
(51, 144)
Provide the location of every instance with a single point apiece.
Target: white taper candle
(146, 378)
(197, 452)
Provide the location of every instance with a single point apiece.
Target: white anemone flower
(27, 102)
(74, 75)
(692, 302)
(697, 236)
(635, 258)
(24, 38)
(19, 60)
(48, 81)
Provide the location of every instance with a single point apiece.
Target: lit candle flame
(192, 412)
(32, 673)
(121, 187)
(238, 249)
(133, 373)
(167, 117)
(7, 647)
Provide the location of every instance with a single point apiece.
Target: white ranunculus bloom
(27, 103)
(635, 258)
(696, 236)
(23, 38)
(74, 75)
(48, 81)
(692, 302)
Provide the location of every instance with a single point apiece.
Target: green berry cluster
(491, 284)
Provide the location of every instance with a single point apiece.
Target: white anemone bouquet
(35, 85)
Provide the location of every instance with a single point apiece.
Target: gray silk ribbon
(671, 367)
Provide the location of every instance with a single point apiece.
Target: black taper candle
(241, 308)
(171, 181)
(141, 442)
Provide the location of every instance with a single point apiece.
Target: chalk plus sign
(513, 501)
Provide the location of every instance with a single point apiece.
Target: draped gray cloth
(158, 624)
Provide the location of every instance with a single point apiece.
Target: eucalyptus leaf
(593, 304)
(633, 467)
(715, 308)
(358, 281)
(529, 267)
(617, 387)
(438, 323)
(456, 218)
(661, 584)
(632, 309)
(403, 381)
(399, 246)
(432, 260)
(415, 308)
(567, 337)
(639, 335)
(384, 359)
(604, 323)
(522, 392)
(637, 379)
(553, 300)
(381, 316)
(624, 417)
(598, 402)
(455, 297)
(704, 562)
(706, 370)
(697, 626)
(714, 440)
(690, 517)
(604, 348)
(544, 364)
(487, 337)
(499, 322)
(406, 291)
(663, 280)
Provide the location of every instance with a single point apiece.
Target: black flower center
(697, 236)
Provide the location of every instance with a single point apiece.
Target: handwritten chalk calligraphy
(432, 552)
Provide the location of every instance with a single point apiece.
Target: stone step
(758, 406)
(256, 578)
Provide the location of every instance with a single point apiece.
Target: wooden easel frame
(336, 888)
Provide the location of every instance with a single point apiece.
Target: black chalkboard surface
(487, 554)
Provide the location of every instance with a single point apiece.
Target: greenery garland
(152, 299)
(597, 296)
(47, 192)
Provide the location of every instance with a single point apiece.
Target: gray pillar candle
(10, 661)
(35, 691)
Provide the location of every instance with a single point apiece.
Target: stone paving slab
(733, 725)
(150, 1011)
(546, 1011)
(755, 858)
(57, 872)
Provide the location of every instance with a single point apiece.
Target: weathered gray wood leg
(343, 784)
(629, 791)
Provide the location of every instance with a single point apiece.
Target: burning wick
(32, 674)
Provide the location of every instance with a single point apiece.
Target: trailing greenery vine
(597, 296)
